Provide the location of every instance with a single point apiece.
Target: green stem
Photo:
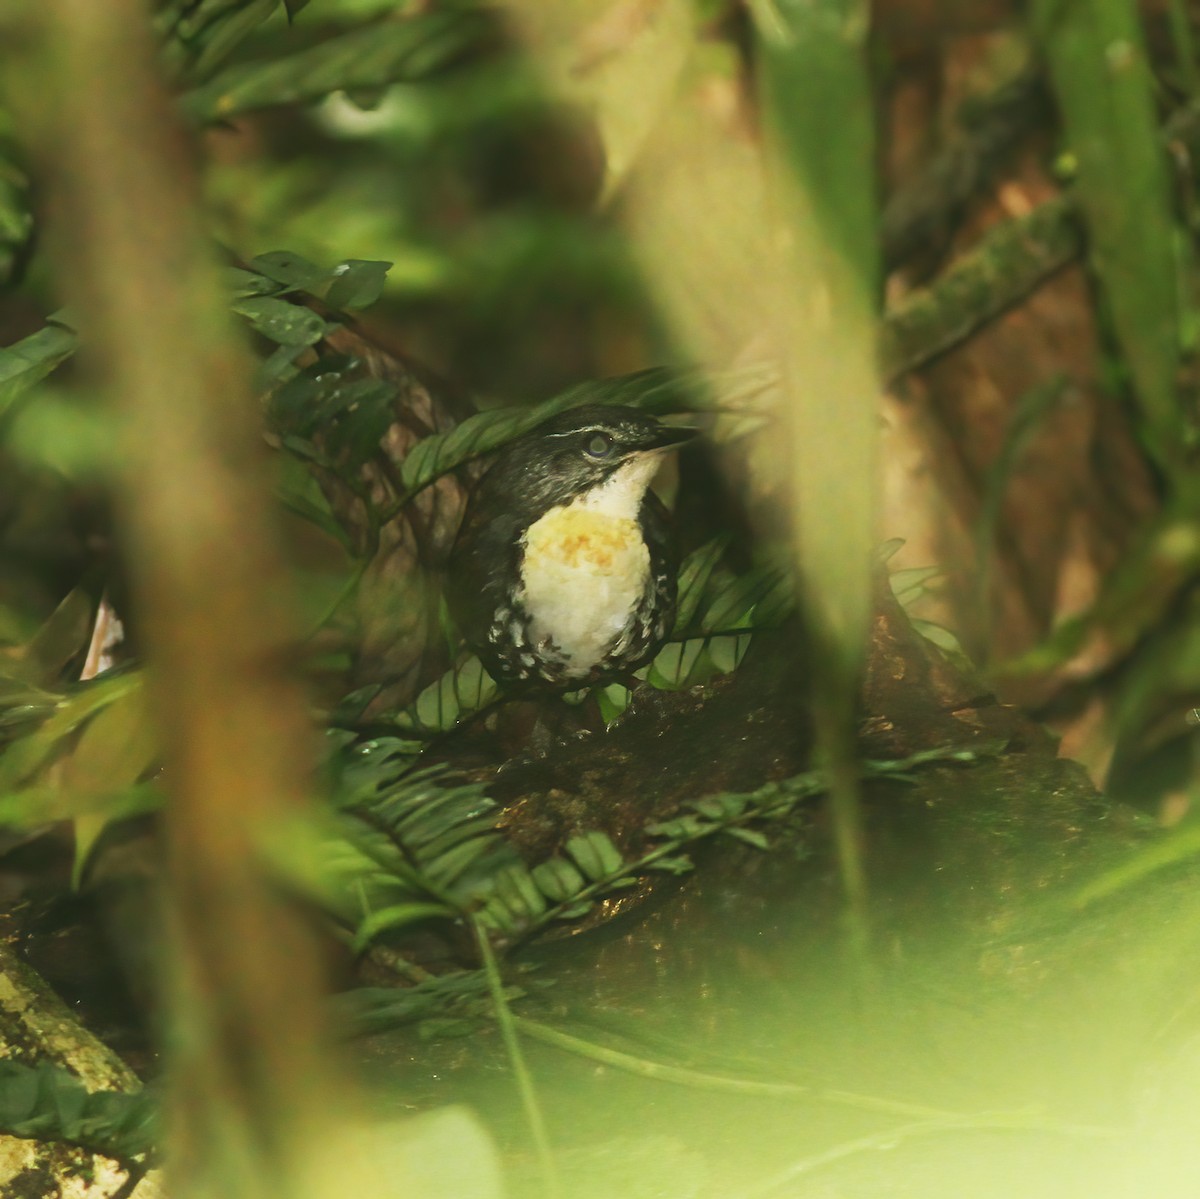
(508, 1032)
(662, 1072)
(889, 1137)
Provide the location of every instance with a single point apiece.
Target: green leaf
(357, 283)
(749, 835)
(558, 879)
(290, 270)
(47, 1103)
(21, 759)
(694, 575)
(655, 390)
(199, 36)
(460, 692)
(680, 664)
(397, 916)
(64, 636)
(29, 361)
(287, 324)
(672, 864)
(596, 855)
(520, 894)
(726, 653)
(612, 701)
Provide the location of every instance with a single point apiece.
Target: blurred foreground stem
(818, 112)
(248, 1079)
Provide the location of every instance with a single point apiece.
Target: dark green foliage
(51, 1104)
(402, 50)
(454, 1001)
(656, 390)
(198, 36)
(16, 219)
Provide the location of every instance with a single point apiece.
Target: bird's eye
(600, 445)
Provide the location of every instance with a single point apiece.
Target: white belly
(583, 574)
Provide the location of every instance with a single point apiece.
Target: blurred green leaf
(397, 916)
(657, 390)
(558, 879)
(27, 362)
(405, 49)
(49, 1103)
(1105, 93)
(198, 36)
(16, 219)
(26, 756)
(63, 636)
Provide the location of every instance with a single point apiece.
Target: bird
(563, 572)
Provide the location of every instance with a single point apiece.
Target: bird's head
(601, 450)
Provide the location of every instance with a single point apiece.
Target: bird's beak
(668, 437)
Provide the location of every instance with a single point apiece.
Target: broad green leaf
(44, 803)
(612, 701)
(679, 664)
(357, 283)
(459, 692)
(115, 750)
(726, 653)
(287, 324)
(289, 270)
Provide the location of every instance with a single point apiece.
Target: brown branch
(1011, 260)
(989, 129)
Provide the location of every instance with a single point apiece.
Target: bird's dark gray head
(575, 451)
